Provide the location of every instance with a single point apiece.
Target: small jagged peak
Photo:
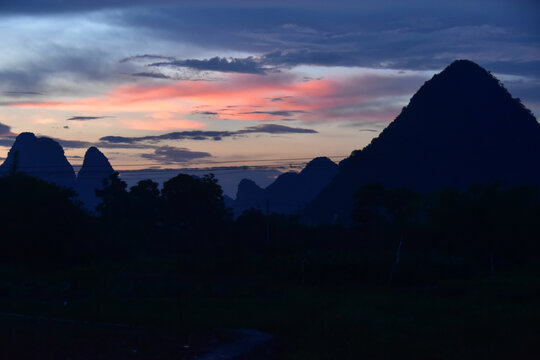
(248, 184)
(320, 162)
(247, 188)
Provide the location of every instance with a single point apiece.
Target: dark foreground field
(444, 275)
(494, 317)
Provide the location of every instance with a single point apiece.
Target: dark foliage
(40, 223)
(193, 204)
(450, 232)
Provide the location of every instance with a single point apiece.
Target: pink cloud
(163, 125)
(248, 97)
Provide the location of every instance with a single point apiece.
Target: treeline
(397, 235)
(484, 229)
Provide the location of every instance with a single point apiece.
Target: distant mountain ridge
(462, 127)
(290, 192)
(44, 158)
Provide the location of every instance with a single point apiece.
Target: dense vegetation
(443, 274)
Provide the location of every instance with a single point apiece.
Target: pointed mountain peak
(95, 165)
(464, 106)
(462, 83)
(464, 65)
(95, 168)
(95, 157)
(93, 151)
(462, 127)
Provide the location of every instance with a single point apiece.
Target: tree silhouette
(193, 205)
(145, 207)
(114, 197)
(40, 221)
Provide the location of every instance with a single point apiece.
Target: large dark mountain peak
(462, 127)
(463, 109)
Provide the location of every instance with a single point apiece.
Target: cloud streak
(87, 118)
(169, 154)
(248, 65)
(276, 113)
(21, 93)
(208, 135)
(146, 57)
(5, 130)
(153, 75)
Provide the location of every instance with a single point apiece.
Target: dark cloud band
(87, 118)
(208, 135)
(5, 130)
(248, 65)
(168, 154)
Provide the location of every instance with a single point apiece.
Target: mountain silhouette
(462, 127)
(95, 168)
(44, 158)
(289, 192)
(40, 157)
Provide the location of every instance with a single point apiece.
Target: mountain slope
(461, 127)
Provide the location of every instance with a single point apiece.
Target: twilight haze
(200, 83)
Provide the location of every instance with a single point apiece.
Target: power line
(279, 163)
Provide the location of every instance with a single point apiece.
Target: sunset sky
(202, 83)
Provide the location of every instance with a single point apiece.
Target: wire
(303, 161)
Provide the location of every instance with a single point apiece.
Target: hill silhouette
(44, 158)
(95, 168)
(462, 127)
(290, 192)
(40, 157)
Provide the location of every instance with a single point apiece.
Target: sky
(164, 84)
